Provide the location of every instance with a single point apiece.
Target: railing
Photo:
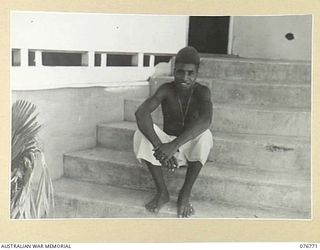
(43, 69)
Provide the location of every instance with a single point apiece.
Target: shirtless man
(185, 139)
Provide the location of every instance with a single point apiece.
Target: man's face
(185, 74)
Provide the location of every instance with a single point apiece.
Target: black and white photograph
(160, 116)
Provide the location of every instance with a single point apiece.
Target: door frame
(230, 33)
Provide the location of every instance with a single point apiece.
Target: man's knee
(205, 139)
(197, 164)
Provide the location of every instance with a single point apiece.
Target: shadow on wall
(69, 117)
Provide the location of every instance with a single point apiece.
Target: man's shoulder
(202, 87)
(166, 87)
(163, 91)
(203, 90)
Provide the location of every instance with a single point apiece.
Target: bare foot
(185, 208)
(157, 202)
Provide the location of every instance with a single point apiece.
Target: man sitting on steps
(185, 139)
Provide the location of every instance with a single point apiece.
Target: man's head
(186, 66)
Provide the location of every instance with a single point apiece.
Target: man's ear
(197, 67)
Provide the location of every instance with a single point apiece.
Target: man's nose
(185, 76)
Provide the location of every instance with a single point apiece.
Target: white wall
(35, 78)
(80, 31)
(264, 37)
(69, 117)
(141, 34)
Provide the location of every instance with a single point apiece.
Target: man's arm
(144, 119)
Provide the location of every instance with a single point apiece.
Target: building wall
(81, 31)
(264, 37)
(252, 36)
(69, 117)
(137, 35)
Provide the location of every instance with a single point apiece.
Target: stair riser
(115, 138)
(273, 157)
(66, 207)
(266, 156)
(254, 194)
(130, 107)
(245, 94)
(114, 174)
(260, 71)
(249, 121)
(239, 120)
(207, 187)
(73, 208)
(299, 97)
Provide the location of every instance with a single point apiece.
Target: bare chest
(182, 108)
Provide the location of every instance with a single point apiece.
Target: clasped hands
(165, 154)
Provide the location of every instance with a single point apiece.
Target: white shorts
(197, 149)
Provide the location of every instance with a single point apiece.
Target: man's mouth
(185, 84)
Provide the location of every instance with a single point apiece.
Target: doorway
(209, 35)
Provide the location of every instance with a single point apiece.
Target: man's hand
(172, 164)
(164, 153)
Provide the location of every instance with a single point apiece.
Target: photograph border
(151, 230)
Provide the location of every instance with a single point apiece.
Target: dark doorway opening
(209, 34)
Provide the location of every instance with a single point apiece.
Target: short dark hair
(188, 55)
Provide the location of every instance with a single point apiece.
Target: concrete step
(130, 107)
(78, 199)
(255, 69)
(215, 182)
(245, 119)
(246, 92)
(257, 120)
(274, 153)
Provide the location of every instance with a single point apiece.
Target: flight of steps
(259, 166)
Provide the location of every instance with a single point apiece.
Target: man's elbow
(139, 114)
(210, 120)
(206, 121)
(136, 113)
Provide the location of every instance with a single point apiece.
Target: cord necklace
(183, 115)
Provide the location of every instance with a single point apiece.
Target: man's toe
(185, 212)
(191, 210)
(180, 212)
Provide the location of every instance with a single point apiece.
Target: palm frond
(21, 112)
(25, 156)
(24, 126)
(45, 198)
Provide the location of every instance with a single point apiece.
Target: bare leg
(162, 195)
(185, 209)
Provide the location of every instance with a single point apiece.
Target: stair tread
(257, 60)
(262, 108)
(219, 171)
(249, 107)
(258, 138)
(248, 82)
(91, 192)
